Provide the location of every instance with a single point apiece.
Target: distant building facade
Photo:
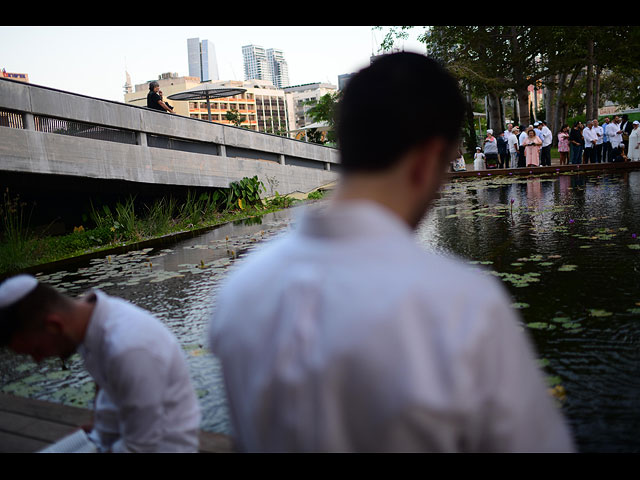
(265, 64)
(22, 77)
(300, 98)
(203, 63)
(262, 105)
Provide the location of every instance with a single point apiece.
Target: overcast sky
(92, 60)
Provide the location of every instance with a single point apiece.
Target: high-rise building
(202, 59)
(256, 65)
(279, 67)
(269, 65)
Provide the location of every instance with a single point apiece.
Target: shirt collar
(352, 219)
(93, 333)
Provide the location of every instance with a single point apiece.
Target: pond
(564, 246)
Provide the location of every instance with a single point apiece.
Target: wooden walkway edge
(28, 425)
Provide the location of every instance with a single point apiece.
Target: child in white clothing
(478, 160)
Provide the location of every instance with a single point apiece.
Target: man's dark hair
(28, 313)
(394, 105)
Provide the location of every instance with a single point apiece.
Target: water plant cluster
(128, 222)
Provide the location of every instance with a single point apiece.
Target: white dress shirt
(589, 135)
(546, 136)
(353, 338)
(614, 137)
(599, 134)
(513, 143)
(146, 401)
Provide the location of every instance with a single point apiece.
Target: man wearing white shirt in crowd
(513, 147)
(545, 151)
(599, 133)
(590, 138)
(145, 402)
(614, 131)
(356, 338)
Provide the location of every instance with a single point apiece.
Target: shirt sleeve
(137, 384)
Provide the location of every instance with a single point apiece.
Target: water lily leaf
(561, 319)
(538, 325)
(633, 310)
(599, 313)
(567, 268)
(634, 246)
(520, 305)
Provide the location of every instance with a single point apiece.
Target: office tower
(256, 65)
(279, 68)
(202, 59)
(268, 65)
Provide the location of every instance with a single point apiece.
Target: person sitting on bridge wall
(145, 402)
(154, 100)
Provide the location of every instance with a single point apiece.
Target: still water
(564, 246)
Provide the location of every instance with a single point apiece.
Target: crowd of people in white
(616, 140)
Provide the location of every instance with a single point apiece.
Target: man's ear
(426, 162)
(53, 323)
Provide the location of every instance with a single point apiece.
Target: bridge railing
(139, 136)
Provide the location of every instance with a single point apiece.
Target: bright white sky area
(91, 60)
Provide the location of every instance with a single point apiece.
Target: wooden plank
(28, 425)
(13, 443)
(64, 414)
(43, 430)
(215, 443)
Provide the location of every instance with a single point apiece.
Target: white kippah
(15, 288)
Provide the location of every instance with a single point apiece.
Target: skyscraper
(268, 65)
(279, 67)
(202, 59)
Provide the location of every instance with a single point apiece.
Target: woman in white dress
(634, 142)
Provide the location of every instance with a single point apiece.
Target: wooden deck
(28, 425)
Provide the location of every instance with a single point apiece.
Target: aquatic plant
(17, 244)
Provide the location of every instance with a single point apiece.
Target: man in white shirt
(146, 402)
(545, 151)
(590, 138)
(513, 147)
(357, 339)
(614, 132)
(599, 134)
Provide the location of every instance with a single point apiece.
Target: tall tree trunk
(520, 83)
(494, 112)
(596, 95)
(472, 141)
(589, 93)
(523, 106)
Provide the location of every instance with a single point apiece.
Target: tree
(235, 117)
(325, 110)
(493, 61)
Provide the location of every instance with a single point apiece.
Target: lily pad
(599, 313)
(567, 268)
(520, 305)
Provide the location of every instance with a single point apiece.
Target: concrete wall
(250, 153)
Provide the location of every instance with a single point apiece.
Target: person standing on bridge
(154, 100)
(145, 402)
(357, 339)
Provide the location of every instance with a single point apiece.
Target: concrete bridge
(57, 134)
